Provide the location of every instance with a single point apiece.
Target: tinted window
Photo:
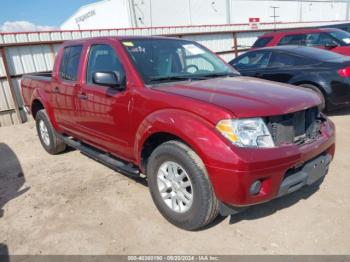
(341, 36)
(293, 40)
(319, 39)
(64, 62)
(318, 54)
(282, 59)
(252, 60)
(103, 58)
(70, 62)
(261, 42)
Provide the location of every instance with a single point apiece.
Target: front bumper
(308, 174)
(281, 170)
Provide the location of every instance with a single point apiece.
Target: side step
(102, 157)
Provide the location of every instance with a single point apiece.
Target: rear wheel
(47, 135)
(180, 186)
(319, 93)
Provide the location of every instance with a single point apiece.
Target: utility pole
(274, 15)
(228, 11)
(347, 9)
(190, 11)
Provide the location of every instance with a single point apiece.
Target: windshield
(342, 36)
(166, 60)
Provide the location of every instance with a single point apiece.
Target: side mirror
(110, 79)
(330, 45)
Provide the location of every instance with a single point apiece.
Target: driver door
(104, 110)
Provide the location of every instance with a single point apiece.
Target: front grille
(295, 128)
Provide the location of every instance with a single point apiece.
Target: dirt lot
(70, 204)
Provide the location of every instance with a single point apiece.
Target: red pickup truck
(208, 140)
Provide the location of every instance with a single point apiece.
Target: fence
(30, 52)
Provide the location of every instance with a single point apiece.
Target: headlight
(249, 132)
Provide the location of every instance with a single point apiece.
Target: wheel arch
(152, 142)
(313, 83)
(40, 101)
(36, 106)
(192, 130)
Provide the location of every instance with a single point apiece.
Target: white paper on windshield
(194, 50)
(346, 40)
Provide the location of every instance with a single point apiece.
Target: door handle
(84, 96)
(56, 90)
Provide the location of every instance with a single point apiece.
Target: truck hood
(246, 96)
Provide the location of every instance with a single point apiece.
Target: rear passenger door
(282, 67)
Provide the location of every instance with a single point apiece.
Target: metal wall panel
(7, 113)
(2, 69)
(247, 39)
(227, 57)
(29, 59)
(215, 42)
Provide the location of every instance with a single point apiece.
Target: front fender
(198, 133)
(40, 95)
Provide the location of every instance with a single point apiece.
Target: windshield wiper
(190, 77)
(173, 78)
(219, 75)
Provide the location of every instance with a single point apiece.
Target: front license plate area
(317, 168)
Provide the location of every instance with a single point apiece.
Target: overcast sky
(32, 15)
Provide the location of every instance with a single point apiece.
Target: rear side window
(320, 39)
(261, 42)
(293, 40)
(252, 60)
(283, 60)
(70, 62)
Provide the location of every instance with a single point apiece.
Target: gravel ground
(70, 204)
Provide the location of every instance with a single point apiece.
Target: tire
(47, 135)
(323, 106)
(203, 207)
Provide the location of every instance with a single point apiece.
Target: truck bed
(30, 82)
(46, 76)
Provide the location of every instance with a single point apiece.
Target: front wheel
(180, 186)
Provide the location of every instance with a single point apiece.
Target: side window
(70, 62)
(261, 42)
(281, 59)
(64, 60)
(320, 39)
(102, 58)
(253, 60)
(293, 40)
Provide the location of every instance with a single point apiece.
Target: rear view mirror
(109, 79)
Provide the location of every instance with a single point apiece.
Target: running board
(102, 157)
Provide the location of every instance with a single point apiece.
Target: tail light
(345, 72)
